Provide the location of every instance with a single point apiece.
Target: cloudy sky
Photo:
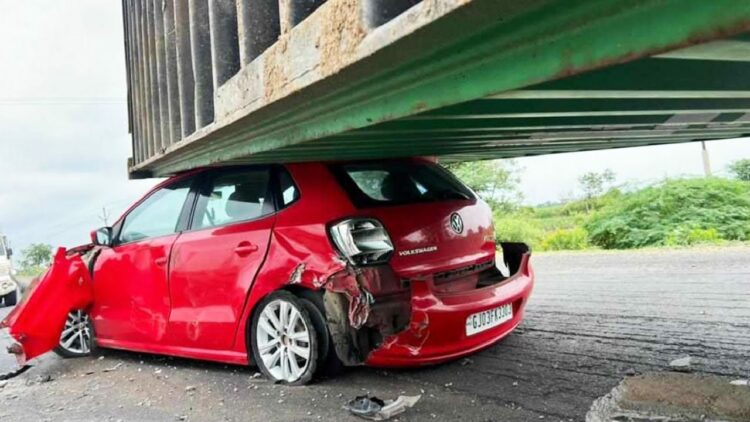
(64, 140)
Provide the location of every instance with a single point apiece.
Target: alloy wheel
(284, 341)
(76, 336)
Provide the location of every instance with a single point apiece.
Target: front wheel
(76, 339)
(283, 338)
(10, 298)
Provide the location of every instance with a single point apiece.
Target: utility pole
(706, 161)
(104, 216)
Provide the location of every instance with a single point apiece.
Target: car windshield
(391, 183)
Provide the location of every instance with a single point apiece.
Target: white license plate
(482, 321)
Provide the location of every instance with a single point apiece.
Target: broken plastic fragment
(375, 409)
(681, 364)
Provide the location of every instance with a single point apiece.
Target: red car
(293, 268)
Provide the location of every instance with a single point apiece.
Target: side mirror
(102, 236)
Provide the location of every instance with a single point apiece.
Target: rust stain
(275, 75)
(342, 31)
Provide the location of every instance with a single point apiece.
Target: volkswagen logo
(457, 224)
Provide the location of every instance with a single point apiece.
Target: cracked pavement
(593, 319)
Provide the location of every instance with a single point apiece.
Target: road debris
(740, 383)
(113, 368)
(375, 409)
(44, 378)
(14, 373)
(682, 364)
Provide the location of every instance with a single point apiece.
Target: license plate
(482, 321)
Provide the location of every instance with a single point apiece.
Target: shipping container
(246, 81)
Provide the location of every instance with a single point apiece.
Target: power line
(21, 101)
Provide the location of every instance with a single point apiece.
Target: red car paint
(436, 332)
(192, 293)
(37, 321)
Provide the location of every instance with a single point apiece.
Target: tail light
(362, 241)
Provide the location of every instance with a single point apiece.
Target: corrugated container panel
(230, 81)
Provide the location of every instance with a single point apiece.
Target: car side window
(158, 215)
(233, 197)
(289, 191)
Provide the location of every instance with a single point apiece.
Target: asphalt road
(593, 319)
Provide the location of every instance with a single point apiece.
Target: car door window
(233, 197)
(289, 191)
(158, 215)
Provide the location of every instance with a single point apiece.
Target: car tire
(11, 298)
(328, 361)
(284, 340)
(77, 338)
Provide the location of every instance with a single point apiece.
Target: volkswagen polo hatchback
(294, 268)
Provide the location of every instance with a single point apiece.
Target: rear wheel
(76, 339)
(284, 340)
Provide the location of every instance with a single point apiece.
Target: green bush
(682, 237)
(33, 271)
(518, 228)
(674, 212)
(584, 206)
(566, 239)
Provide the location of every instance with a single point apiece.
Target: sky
(64, 138)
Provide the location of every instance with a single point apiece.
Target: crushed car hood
(38, 320)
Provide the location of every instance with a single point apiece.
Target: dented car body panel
(397, 292)
(437, 330)
(38, 320)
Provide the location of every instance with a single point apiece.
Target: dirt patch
(673, 397)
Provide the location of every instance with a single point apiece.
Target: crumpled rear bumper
(437, 330)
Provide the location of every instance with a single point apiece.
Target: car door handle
(160, 261)
(245, 248)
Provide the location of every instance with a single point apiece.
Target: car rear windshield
(395, 183)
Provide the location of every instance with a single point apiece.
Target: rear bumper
(437, 330)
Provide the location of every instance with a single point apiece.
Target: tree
(495, 181)
(37, 255)
(741, 169)
(594, 183)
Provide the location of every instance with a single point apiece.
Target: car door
(130, 279)
(215, 262)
